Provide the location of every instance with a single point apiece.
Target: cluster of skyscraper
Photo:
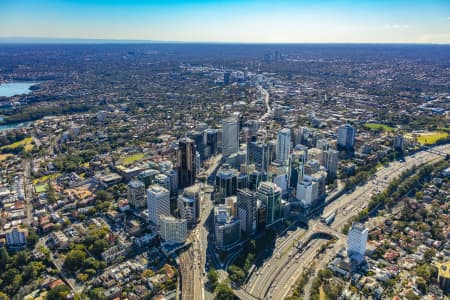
(269, 176)
(169, 193)
(258, 182)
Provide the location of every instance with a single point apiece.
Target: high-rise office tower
(330, 161)
(230, 136)
(227, 231)
(258, 154)
(210, 142)
(270, 195)
(227, 181)
(297, 164)
(283, 146)
(198, 162)
(158, 203)
(189, 204)
(356, 242)
(147, 176)
(246, 206)
(186, 162)
(197, 137)
(136, 194)
(254, 178)
(173, 181)
(346, 136)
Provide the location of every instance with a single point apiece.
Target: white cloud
(398, 26)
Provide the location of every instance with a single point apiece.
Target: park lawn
(26, 143)
(376, 126)
(379, 166)
(5, 156)
(41, 188)
(322, 295)
(132, 158)
(46, 178)
(430, 138)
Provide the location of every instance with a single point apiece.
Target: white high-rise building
(356, 242)
(282, 181)
(158, 203)
(305, 193)
(230, 136)
(283, 146)
(173, 230)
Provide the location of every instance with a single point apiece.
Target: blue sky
(288, 21)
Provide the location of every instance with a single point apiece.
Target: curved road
(267, 104)
(347, 206)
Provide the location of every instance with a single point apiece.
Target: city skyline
(229, 21)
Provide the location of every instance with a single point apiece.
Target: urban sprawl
(192, 171)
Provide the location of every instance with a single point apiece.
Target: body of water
(15, 88)
(12, 126)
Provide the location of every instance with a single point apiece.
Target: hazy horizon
(229, 21)
(64, 40)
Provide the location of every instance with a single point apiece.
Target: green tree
(103, 195)
(33, 269)
(97, 294)
(74, 260)
(91, 263)
(411, 296)
(224, 292)
(422, 285)
(237, 275)
(21, 258)
(58, 293)
(82, 277)
(32, 237)
(213, 278)
(429, 254)
(4, 258)
(8, 275)
(426, 271)
(98, 247)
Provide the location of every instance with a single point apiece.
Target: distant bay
(10, 89)
(13, 125)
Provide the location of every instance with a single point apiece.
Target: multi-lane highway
(278, 274)
(266, 96)
(187, 274)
